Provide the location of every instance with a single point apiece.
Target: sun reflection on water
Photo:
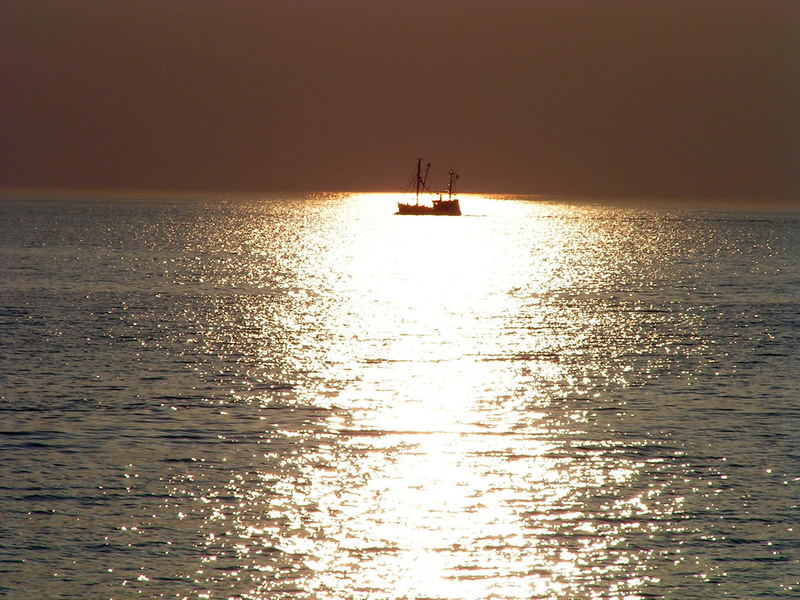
(430, 388)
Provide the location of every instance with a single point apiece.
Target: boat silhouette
(438, 206)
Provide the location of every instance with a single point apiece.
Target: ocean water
(311, 398)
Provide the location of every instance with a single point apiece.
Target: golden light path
(452, 450)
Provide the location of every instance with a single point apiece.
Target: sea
(305, 396)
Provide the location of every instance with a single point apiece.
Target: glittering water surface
(312, 398)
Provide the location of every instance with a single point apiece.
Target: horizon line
(53, 192)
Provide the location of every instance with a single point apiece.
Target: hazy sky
(634, 98)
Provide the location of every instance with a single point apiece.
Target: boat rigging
(439, 206)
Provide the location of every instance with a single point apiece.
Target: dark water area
(312, 398)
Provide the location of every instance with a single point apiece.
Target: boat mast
(419, 178)
(422, 180)
(453, 177)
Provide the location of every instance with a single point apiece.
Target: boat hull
(440, 207)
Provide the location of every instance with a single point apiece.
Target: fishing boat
(439, 206)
